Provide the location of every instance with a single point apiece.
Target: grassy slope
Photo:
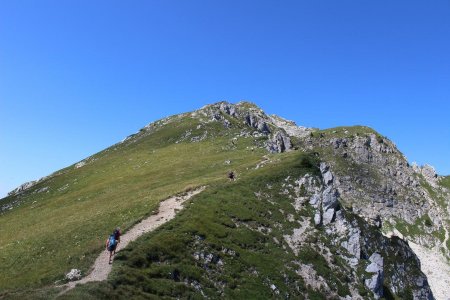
(50, 233)
(445, 182)
(162, 265)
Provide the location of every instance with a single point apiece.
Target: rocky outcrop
(428, 172)
(375, 283)
(363, 243)
(257, 122)
(326, 202)
(279, 142)
(275, 129)
(28, 185)
(290, 127)
(22, 188)
(375, 179)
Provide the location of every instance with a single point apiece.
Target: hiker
(111, 245)
(117, 234)
(231, 175)
(112, 242)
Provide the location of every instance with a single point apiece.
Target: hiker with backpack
(112, 242)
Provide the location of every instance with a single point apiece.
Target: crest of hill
(339, 187)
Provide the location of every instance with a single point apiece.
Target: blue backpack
(112, 241)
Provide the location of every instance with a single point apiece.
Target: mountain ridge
(346, 189)
(289, 126)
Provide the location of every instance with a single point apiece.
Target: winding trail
(166, 211)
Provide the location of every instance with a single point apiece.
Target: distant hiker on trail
(112, 242)
(231, 176)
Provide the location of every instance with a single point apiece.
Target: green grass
(445, 182)
(225, 216)
(50, 233)
(345, 131)
(147, 267)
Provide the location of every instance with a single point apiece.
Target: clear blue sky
(78, 76)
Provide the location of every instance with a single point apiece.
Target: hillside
(313, 214)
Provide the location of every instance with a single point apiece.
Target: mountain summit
(313, 214)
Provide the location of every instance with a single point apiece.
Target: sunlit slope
(64, 225)
(445, 182)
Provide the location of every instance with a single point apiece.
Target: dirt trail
(167, 211)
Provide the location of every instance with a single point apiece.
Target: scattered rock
(74, 274)
(80, 164)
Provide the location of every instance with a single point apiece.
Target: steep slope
(257, 239)
(377, 182)
(61, 221)
(445, 182)
(305, 218)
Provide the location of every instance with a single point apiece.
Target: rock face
(364, 243)
(376, 180)
(326, 202)
(279, 142)
(375, 283)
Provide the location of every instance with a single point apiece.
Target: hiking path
(166, 211)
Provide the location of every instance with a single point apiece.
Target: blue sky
(78, 76)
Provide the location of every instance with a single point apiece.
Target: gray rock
(317, 219)
(324, 167)
(74, 274)
(290, 127)
(228, 108)
(257, 122)
(326, 173)
(430, 175)
(315, 200)
(423, 294)
(353, 245)
(278, 143)
(328, 216)
(327, 178)
(375, 283)
(44, 189)
(330, 198)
